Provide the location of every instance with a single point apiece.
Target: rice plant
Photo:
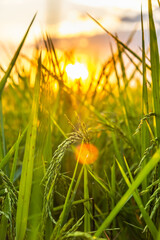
(81, 163)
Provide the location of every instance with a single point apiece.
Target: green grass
(44, 192)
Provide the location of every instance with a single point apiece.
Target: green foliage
(9, 198)
(46, 194)
(28, 163)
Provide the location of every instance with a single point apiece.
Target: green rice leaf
(145, 109)
(9, 154)
(154, 55)
(28, 163)
(13, 61)
(142, 175)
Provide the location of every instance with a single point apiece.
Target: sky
(67, 18)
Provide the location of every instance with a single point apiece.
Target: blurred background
(69, 25)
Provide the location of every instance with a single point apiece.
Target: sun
(77, 71)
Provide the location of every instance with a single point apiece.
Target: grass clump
(46, 194)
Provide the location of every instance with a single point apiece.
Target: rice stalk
(8, 208)
(68, 203)
(52, 175)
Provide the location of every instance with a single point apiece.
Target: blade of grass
(68, 203)
(6, 159)
(136, 65)
(15, 160)
(137, 198)
(113, 189)
(42, 159)
(154, 55)
(28, 162)
(123, 69)
(3, 143)
(145, 105)
(158, 236)
(146, 170)
(145, 110)
(74, 193)
(2, 85)
(110, 125)
(53, 50)
(59, 128)
(13, 61)
(98, 180)
(87, 222)
(58, 208)
(1, 151)
(69, 199)
(117, 40)
(123, 97)
(117, 152)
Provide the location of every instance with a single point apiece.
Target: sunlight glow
(77, 71)
(86, 153)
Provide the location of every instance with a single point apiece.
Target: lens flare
(86, 154)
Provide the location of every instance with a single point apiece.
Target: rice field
(81, 161)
